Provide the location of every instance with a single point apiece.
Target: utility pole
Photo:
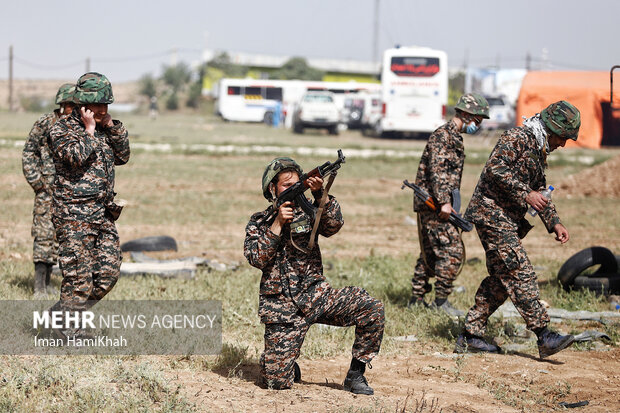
(87, 65)
(375, 37)
(528, 61)
(10, 78)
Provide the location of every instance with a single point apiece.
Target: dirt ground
(440, 382)
(599, 181)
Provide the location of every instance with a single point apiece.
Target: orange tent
(585, 90)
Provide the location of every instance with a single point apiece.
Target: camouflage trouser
(45, 247)
(510, 275)
(90, 261)
(441, 255)
(349, 306)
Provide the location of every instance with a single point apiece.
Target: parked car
(317, 110)
(501, 113)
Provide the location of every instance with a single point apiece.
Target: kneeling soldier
(294, 293)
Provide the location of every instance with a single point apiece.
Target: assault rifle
(295, 193)
(422, 195)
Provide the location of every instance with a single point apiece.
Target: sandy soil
(599, 181)
(443, 382)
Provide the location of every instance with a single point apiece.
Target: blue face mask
(471, 128)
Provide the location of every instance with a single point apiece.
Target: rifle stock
(423, 196)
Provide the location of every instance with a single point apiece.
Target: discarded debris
(573, 405)
(508, 310)
(409, 338)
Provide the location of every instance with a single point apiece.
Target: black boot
(550, 342)
(296, 373)
(468, 343)
(40, 270)
(355, 382)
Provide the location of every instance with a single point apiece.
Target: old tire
(157, 243)
(585, 259)
(604, 284)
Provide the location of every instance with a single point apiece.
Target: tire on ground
(585, 259)
(156, 243)
(604, 284)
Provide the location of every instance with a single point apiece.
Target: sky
(129, 38)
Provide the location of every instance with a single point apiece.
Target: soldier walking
(510, 182)
(294, 293)
(439, 173)
(38, 168)
(86, 146)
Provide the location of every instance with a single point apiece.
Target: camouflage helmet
(563, 119)
(474, 104)
(93, 87)
(65, 93)
(274, 168)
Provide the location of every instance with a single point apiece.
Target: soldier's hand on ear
(107, 121)
(88, 117)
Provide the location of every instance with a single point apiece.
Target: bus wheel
(268, 118)
(333, 130)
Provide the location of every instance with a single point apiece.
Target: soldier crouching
(86, 145)
(294, 293)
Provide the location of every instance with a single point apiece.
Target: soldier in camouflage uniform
(440, 171)
(38, 168)
(294, 294)
(86, 146)
(510, 182)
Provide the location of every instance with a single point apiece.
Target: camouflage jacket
(514, 169)
(84, 182)
(37, 161)
(441, 165)
(292, 280)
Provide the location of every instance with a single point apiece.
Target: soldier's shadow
(531, 357)
(251, 373)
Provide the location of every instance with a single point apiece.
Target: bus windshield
(410, 66)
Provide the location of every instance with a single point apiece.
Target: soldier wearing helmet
(439, 172)
(294, 293)
(510, 183)
(86, 146)
(38, 168)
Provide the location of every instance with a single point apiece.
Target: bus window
(234, 90)
(414, 66)
(274, 93)
(253, 92)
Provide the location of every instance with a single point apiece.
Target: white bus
(414, 82)
(254, 100)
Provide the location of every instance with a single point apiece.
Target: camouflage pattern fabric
(441, 257)
(441, 165)
(514, 169)
(440, 171)
(563, 119)
(510, 276)
(89, 253)
(90, 260)
(473, 104)
(84, 183)
(349, 306)
(38, 168)
(93, 87)
(294, 293)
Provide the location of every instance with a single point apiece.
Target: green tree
(147, 85)
(298, 68)
(177, 76)
(222, 62)
(172, 103)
